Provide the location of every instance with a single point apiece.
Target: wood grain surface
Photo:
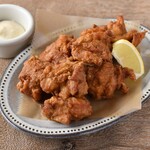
(131, 133)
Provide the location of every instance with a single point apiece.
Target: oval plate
(10, 96)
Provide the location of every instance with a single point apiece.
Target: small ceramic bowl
(11, 47)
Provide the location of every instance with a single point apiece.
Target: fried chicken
(121, 74)
(105, 80)
(117, 27)
(58, 51)
(55, 76)
(69, 69)
(66, 110)
(66, 79)
(76, 83)
(92, 47)
(137, 38)
(30, 76)
(102, 81)
(133, 36)
(118, 31)
(95, 44)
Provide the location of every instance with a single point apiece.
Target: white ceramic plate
(10, 96)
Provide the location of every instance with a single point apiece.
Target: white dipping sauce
(10, 29)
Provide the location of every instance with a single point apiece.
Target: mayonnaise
(10, 29)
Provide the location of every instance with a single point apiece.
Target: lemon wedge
(128, 56)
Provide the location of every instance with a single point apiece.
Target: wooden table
(131, 133)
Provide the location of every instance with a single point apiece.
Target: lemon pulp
(128, 56)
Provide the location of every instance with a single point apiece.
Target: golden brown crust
(69, 69)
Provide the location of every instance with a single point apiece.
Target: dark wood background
(131, 133)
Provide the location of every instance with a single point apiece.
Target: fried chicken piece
(121, 74)
(127, 36)
(55, 76)
(102, 80)
(92, 48)
(67, 79)
(99, 33)
(66, 110)
(95, 29)
(118, 27)
(133, 36)
(76, 84)
(30, 76)
(114, 30)
(137, 38)
(105, 80)
(58, 51)
(118, 31)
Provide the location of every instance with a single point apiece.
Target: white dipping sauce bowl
(11, 47)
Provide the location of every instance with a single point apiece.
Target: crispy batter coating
(122, 74)
(117, 27)
(66, 110)
(102, 80)
(55, 76)
(133, 36)
(93, 46)
(58, 51)
(67, 79)
(105, 80)
(137, 38)
(30, 76)
(119, 31)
